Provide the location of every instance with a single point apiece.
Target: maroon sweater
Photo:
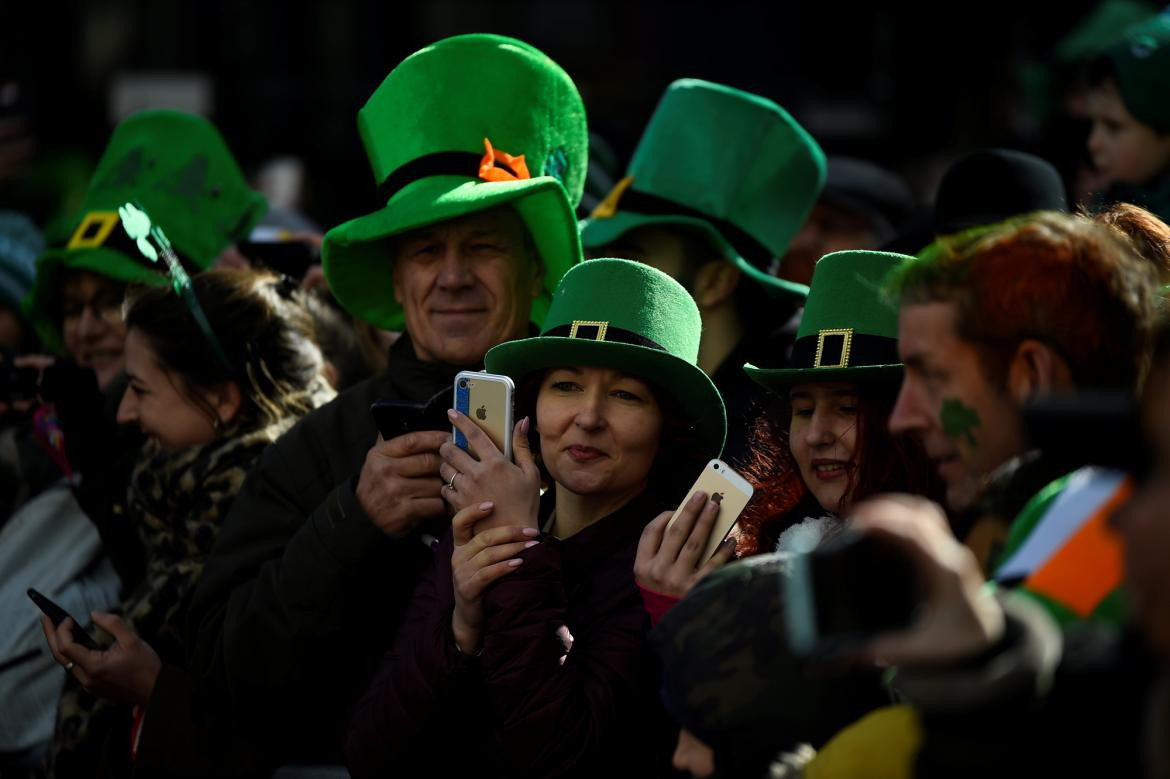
(566, 685)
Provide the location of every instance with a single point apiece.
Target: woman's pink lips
(585, 454)
(830, 475)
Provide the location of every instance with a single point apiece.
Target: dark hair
(759, 312)
(884, 463)
(679, 457)
(262, 325)
(1053, 277)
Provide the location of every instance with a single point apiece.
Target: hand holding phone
(677, 550)
(727, 490)
(57, 615)
(486, 399)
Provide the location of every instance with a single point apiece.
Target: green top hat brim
(597, 232)
(778, 380)
(357, 259)
(690, 388)
(110, 263)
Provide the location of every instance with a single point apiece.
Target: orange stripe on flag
(1090, 565)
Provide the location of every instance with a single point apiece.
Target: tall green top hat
(632, 318)
(849, 331)
(734, 165)
(472, 122)
(178, 168)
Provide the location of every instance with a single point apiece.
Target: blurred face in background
(822, 436)
(1123, 149)
(91, 323)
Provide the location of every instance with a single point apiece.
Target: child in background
(1130, 137)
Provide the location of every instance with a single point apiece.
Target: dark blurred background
(907, 87)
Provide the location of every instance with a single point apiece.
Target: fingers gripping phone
(727, 489)
(57, 615)
(486, 398)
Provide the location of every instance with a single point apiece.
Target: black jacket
(302, 593)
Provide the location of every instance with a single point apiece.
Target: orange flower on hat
(516, 168)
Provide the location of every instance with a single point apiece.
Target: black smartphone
(57, 615)
(847, 591)
(1089, 428)
(399, 417)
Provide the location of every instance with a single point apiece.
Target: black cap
(864, 188)
(992, 185)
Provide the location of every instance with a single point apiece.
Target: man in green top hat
(177, 167)
(478, 148)
(720, 183)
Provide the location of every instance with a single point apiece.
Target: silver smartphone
(486, 398)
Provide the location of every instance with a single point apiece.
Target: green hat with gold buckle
(849, 331)
(469, 123)
(632, 318)
(732, 165)
(176, 166)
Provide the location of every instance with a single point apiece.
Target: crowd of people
(955, 429)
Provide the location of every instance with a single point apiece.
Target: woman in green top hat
(810, 466)
(528, 637)
(832, 447)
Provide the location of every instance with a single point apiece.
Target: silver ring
(69, 666)
(451, 483)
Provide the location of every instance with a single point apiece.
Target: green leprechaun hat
(469, 123)
(1141, 62)
(849, 331)
(731, 164)
(632, 318)
(177, 167)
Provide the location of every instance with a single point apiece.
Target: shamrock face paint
(959, 421)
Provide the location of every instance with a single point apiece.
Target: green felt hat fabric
(442, 134)
(177, 167)
(632, 318)
(1141, 61)
(728, 163)
(849, 330)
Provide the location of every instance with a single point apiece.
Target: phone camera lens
(463, 384)
(714, 466)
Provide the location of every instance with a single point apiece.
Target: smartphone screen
(399, 417)
(728, 489)
(486, 398)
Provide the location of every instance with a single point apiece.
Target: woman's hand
(126, 671)
(958, 617)
(512, 488)
(668, 559)
(478, 560)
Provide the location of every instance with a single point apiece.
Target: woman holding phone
(822, 447)
(209, 394)
(526, 643)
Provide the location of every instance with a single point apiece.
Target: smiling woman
(531, 613)
(209, 400)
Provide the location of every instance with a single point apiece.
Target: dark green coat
(302, 593)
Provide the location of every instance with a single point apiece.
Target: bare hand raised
(512, 488)
(125, 671)
(480, 558)
(668, 558)
(399, 485)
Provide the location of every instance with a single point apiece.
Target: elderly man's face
(466, 284)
